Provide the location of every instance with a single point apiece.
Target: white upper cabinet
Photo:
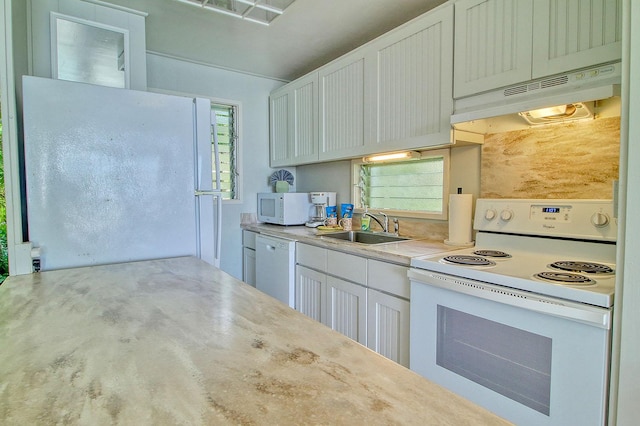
(503, 42)
(294, 122)
(410, 81)
(572, 34)
(343, 107)
(492, 44)
(392, 93)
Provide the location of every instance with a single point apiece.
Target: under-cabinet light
(559, 113)
(392, 156)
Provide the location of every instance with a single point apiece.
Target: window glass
(226, 131)
(414, 188)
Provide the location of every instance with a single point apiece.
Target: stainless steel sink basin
(363, 237)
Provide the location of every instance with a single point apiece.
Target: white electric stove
(521, 323)
(558, 248)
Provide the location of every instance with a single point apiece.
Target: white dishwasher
(275, 268)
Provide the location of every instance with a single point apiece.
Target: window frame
(446, 156)
(238, 149)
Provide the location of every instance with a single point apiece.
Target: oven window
(513, 362)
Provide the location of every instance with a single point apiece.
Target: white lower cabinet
(388, 326)
(249, 257)
(311, 289)
(347, 308)
(364, 299)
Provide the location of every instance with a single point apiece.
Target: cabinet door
(411, 72)
(310, 292)
(304, 120)
(492, 44)
(279, 128)
(342, 108)
(346, 308)
(388, 326)
(249, 266)
(294, 122)
(573, 34)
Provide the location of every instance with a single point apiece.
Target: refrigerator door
(111, 175)
(209, 197)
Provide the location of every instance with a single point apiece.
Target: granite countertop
(396, 252)
(177, 341)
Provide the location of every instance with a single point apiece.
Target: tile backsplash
(578, 160)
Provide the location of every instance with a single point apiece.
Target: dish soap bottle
(365, 222)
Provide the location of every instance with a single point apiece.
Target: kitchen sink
(363, 237)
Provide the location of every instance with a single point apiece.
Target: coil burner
(582, 267)
(468, 260)
(565, 278)
(492, 253)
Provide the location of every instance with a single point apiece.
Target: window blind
(411, 185)
(226, 133)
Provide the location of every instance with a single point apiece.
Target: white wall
(168, 74)
(331, 177)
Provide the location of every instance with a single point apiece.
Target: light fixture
(392, 156)
(258, 11)
(559, 113)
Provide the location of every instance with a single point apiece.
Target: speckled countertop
(396, 252)
(177, 341)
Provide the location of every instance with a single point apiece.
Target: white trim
(19, 252)
(445, 153)
(624, 389)
(207, 64)
(117, 7)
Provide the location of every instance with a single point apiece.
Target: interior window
(227, 134)
(410, 188)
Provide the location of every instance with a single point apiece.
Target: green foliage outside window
(4, 253)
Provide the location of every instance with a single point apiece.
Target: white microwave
(284, 208)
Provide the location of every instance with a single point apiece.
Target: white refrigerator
(117, 175)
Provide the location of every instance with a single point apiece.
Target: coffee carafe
(320, 201)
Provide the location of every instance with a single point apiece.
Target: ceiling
(309, 34)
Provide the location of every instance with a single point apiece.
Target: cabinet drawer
(249, 239)
(347, 266)
(389, 278)
(311, 256)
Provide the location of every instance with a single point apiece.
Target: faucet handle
(396, 226)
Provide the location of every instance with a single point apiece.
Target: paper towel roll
(460, 207)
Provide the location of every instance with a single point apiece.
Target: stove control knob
(490, 214)
(600, 220)
(506, 215)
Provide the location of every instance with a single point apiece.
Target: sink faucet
(384, 225)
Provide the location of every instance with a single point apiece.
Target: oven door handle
(587, 314)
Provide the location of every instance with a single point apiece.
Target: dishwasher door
(275, 268)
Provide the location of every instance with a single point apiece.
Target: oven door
(530, 359)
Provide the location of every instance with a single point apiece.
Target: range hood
(582, 88)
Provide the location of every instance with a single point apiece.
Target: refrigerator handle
(216, 150)
(218, 227)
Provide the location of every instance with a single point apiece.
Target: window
(412, 188)
(227, 135)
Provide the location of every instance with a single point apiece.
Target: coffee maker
(319, 202)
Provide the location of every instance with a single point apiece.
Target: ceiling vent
(258, 11)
